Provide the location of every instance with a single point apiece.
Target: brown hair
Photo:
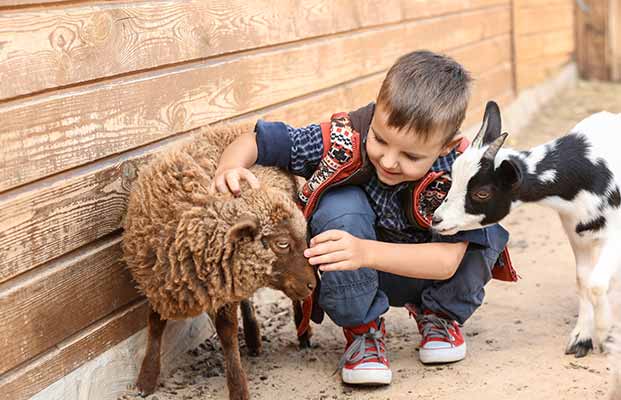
(427, 93)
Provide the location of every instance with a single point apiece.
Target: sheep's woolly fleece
(176, 243)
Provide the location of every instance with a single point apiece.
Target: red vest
(344, 162)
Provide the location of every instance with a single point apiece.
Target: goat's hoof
(580, 348)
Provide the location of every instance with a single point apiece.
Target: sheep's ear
(490, 127)
(510, 172)
(246, 226)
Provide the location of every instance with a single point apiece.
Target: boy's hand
(336, 250)
(229, 180)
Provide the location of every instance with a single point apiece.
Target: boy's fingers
(333, 234)
(232, 181)
(339, 266)
(251, 179)
(221, 185)
(323, 248)
(327, 258)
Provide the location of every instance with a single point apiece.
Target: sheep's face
(481, 194)
(291, 271)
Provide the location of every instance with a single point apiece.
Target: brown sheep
(191, 251)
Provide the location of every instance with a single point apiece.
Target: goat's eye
(282, 244)
(482, 195)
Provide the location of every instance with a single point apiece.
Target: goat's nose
(436, 220)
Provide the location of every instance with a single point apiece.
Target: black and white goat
(578, 175)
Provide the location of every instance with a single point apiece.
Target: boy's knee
(346, 208)
(346, 296)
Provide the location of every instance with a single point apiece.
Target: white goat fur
(595, 244)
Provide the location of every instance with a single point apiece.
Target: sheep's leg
(252, 333)
(150, 370)
(226, 326)
(298, 314)
(599, 282)
(581, 337)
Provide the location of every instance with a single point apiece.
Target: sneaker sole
(436, 356)
(367, 377)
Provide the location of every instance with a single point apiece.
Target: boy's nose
(436, 220)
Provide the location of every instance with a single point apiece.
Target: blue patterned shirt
(299, 150)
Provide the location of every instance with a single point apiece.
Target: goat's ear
(246, 226)
(493, 148)
(490, 127)
(510, 172)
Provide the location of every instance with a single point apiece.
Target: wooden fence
(89, 90)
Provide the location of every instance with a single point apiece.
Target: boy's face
(399, 156)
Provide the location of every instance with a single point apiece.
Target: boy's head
(420, 107)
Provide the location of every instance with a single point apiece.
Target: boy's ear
(453, 143)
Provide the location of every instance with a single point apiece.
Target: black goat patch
(569, 155)
(593, 226)
(614, 198)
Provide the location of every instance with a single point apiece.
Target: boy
(364, 170)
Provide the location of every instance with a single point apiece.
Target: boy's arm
(336, 250)
(297, 150)
(437, 261)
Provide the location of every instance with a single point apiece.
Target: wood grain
(47, 134)
(42, 221)
(25, 381)
(45, 48)
(545, 18)
(41, 309)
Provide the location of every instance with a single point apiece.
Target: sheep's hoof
(305, 342)
(254, 352)
(145, 389)
(580, 348)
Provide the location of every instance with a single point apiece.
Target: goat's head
(274, 240)
(481, 191)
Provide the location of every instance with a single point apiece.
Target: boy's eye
(411, 157)
(380, 141)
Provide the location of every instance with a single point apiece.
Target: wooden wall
(598, 47)
(89, 90)
(544, 39)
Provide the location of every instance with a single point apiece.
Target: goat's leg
(599, 282)
(150, 370)
(252, 333)
(226, 326)
(298, 314)
(581, 337)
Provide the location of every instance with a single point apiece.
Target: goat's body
(579, 175)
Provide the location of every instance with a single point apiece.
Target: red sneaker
(442, 340)
(364, 361)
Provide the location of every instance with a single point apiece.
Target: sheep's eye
(282, 244)
(482, 195)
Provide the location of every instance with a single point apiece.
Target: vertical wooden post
(614, 39)
(591, 39)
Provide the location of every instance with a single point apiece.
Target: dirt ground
(516, 340)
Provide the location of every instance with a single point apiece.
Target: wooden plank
(49, 47)
(535, 71)
(47, 134)
(544, 19)
(42, 221)
(427, 8)
(614, 39)
(27, 380)
(475, 115)
(542, 45)
(541, 3)
(41, 309)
